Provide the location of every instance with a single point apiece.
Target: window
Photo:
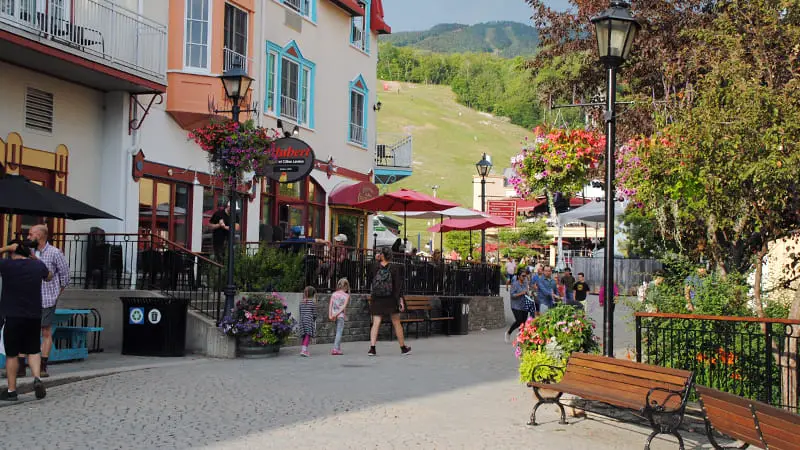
(165, 210)
(197, 34)
(39, 110)
(303, 7)
(290, 84)
(235, 38)
(360, 29)
(359, 94)
(352, 224)
(212, 197)
(287, 205)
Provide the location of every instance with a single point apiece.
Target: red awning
(529, 205)
(351, 6)
(349, 195)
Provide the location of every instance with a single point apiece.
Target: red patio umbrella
(405, 200)
(481, 223)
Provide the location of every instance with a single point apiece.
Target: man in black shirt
(220, 224)
(581, 289)
(21, 306)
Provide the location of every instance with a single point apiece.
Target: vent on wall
(39, 110)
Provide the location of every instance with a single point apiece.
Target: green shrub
(536, 366)
(269, 269)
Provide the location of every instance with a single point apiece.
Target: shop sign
(290, 160)
(507, 209)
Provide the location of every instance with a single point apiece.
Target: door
(43, 178)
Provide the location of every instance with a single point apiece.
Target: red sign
(507, 209)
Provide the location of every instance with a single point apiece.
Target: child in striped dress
(308, 319)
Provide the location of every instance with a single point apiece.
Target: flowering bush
(556, 161)
(633, 176)
(235, 148)
(264, 318)
(550, 339)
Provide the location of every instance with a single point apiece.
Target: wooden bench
(424, 305)
(406, 317)
(751, 422)
(659, 394)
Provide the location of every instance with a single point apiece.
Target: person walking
(21, 306)
(336, 312)
(519, 289)
(581, 288)
(386, 300)
(546, 290)
(568, 281)
(511, 269)
(308, 319)
(52, 289)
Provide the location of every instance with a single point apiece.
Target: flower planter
(247, 349)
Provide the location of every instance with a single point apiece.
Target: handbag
(530, 305)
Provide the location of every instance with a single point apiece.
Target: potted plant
(236, 151)
(544, 344)
(260, 323)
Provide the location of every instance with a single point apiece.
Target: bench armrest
(655, 406)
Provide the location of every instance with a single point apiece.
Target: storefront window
(165, 210)
(287, 205)
(291, 190)
(352, 224)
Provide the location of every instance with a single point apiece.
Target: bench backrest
(780, 429)
(418, 302)
(635, 379)
(730, 415)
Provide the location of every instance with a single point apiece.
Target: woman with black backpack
(386, 300)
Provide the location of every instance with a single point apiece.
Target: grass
(449, 139)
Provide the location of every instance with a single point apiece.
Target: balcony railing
(358, 135)
(301, 6)
(357, 37)
(96, 27)
(289, 108)
(396, 154)
(234, 60)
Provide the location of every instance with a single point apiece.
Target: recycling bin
(458, 309)
(154, 326)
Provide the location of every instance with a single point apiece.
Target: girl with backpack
(386, 300)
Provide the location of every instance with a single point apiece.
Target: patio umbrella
(481, 223)
(458, 212)
(592, 213)
(405, 200)
(19, 196)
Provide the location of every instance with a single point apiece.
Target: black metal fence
(99, 260)
(750, 357)
(323, 266)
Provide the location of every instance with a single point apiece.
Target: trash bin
(154, 326)
(458, 308)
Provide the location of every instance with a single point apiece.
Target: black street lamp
(615, 29)
(484, 166)
(236, 83)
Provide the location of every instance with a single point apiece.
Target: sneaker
(43, 373)
(372, 351)
(506, 337)
(38, 388)
(405, 350)
(305, 354)
(336, 352)
(8, 396)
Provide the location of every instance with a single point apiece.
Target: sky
(416, 15)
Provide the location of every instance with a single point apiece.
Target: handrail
(184, 249)
(719, 318)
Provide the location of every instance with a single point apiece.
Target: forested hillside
(506, 39)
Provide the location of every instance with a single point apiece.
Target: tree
(459, 241)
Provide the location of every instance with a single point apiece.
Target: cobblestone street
(456, 392)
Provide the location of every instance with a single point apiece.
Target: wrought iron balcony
(396, 153)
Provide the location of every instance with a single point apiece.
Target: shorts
(22, 336)
(48, 314)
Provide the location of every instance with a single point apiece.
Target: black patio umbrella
(19, 196)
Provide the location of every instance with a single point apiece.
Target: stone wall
(486, 313)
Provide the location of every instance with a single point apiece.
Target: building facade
(97, 98)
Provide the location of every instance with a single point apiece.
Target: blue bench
(70, 341)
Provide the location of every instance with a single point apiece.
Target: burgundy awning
(351, 6)
(351, 194)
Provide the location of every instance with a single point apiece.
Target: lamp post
(484, 166)
(615, 29)
(236, 83)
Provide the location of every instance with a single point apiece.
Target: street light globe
(484, 166)
(615, 29)
(236, 83)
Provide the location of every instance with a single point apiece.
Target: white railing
(233, 60)
(394, 150)
(358, 134)
(357, 37)
(301, 6)
(97, 27)
(289, 107)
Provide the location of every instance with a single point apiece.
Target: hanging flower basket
(235, 149)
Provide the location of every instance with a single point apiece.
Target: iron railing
(234, 60)
(323, 266)
(358, 134)
(398, 153)
(750, 357)
(97, 27)
(289, 108)
(100, 260)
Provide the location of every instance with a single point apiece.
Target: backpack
(382, 283)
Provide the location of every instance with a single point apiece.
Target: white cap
(340, 238)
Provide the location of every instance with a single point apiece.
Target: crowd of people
(534, 289)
